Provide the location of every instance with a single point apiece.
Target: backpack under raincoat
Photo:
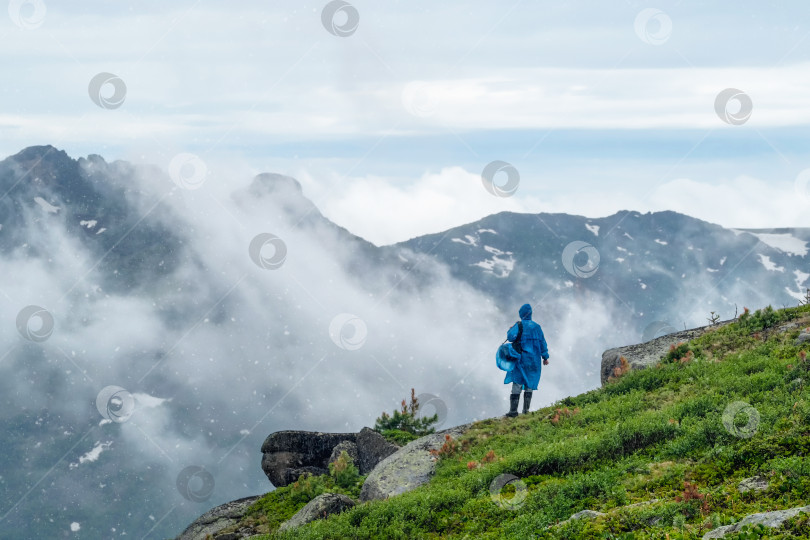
(535, 350)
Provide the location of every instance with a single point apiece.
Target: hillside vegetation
(659, 451)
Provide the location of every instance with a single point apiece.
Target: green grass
(635, 440)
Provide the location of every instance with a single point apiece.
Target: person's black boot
(527, 400)
(513, 405)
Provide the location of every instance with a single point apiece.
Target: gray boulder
(755, 483)
(217, 519)
(321, 506)
(372, 449)
(773, 520)
(286, 455)
(408, 468)
(289, 454)
(649, 353)
(804, 337)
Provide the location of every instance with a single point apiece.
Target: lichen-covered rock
(803, 338)
(217, 519)
(649, 353)
(408, 468)
(587, 514)
(773, 520)
(755, 483)
(320, 507)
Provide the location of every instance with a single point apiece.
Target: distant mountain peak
(274, 182)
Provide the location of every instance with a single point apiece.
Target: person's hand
(545, 362)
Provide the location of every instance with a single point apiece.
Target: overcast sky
(600, 106)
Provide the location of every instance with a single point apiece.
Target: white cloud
(388, 210)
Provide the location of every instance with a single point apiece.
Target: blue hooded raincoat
(527, 369)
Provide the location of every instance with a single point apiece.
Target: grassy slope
(637, 439)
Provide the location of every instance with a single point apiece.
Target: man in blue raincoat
(526, 373)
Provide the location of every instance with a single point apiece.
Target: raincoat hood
(525, 312)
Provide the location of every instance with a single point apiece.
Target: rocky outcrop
(345, 446)
(755, 483)
(586, 514)
(372, 449)
(773, 520)
(217, 519)
(408, 468)
(320, 507)
(804, 338)
(649, 353)
(289, 454)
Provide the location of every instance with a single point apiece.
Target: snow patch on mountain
(491, 231)
(784, 242)
(801, 283)
(662, 242)
(593, 228)
(500, 265)
(90, 223)
(769, 264)
(45, 205)
(93, 454)
(468, 240)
